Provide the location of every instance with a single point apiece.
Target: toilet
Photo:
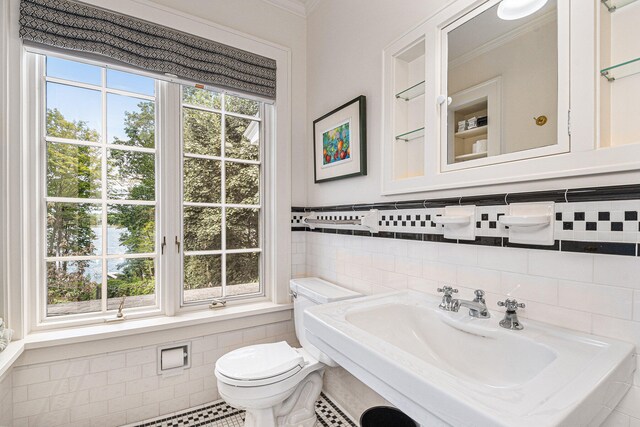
(275, 383)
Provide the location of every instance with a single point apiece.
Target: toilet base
(297, 410)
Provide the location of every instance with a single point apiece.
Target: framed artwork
(340, 142)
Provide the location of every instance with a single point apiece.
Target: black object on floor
(385, 416)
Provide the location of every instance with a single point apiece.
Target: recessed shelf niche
(408, 112)
(463, 141)
(620, 71)
(481, 106)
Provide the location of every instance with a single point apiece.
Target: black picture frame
(362, 142)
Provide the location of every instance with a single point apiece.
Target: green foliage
(59, 127)
(137, 170)
(202, 271)
(70, 229)
(67, 282)
(140, 127)
(75, 171)
(72, 171)
(201, 132)
(118, 288)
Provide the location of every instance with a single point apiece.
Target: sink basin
(445, 368)
(451, 345)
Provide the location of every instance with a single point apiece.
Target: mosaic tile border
(221, 414)
(202, 415)
(603, 220)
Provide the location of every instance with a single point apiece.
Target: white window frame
(35, 67)
(105, 200)
(20, 241)
(168, 203)
(223, 159)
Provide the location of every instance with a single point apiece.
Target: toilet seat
(260, 364)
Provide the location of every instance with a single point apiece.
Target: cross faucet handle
(511, 304)
(479, 295)
(447, 290)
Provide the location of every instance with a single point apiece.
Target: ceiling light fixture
(510, 10)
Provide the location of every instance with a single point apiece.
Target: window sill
(125, 328)
(9, 355)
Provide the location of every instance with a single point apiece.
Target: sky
(77, 103)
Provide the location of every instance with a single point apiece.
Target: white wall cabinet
(417, 131)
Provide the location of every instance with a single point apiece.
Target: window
(100, 189)
(221, 195)
(103, 238)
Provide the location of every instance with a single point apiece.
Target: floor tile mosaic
(220, 414)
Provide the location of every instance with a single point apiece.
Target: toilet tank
(308, 292)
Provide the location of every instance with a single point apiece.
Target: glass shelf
(621, 70)
(413, 92)
(408, 136)
(613, 5)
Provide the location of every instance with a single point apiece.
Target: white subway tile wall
(598, 294)
(298, 254)
(6, 399)
(122, 387)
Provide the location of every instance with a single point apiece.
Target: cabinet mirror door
(506, 83)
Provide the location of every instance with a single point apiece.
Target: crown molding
(294, 6)
(302, 8)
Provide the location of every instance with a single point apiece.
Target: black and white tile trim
(339, 216)
(220, 414)
(599, 221)
(602, 220)
(217, 414)
(296, 219)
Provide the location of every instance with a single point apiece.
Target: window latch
(163, 245)
(177, 244)
(217, 303)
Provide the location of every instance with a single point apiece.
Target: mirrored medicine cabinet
(472, 98)
(502, 78)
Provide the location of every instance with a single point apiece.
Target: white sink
(445, 368)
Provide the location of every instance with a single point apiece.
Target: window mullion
(170, 137)
(105, 225)
(223, 192)
(40, 118)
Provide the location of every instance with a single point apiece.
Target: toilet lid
(260, 361)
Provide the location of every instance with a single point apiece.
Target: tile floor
(219, 414)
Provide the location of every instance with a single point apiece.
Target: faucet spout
(477, 307)
(474, 307)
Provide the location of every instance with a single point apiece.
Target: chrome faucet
(477, 307)
(447, 299)
(510, 320)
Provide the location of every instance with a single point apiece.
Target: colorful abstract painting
(340, 142)
(336, 144)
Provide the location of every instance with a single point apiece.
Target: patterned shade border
(73, 26)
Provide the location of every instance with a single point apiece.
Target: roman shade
(71, 25)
